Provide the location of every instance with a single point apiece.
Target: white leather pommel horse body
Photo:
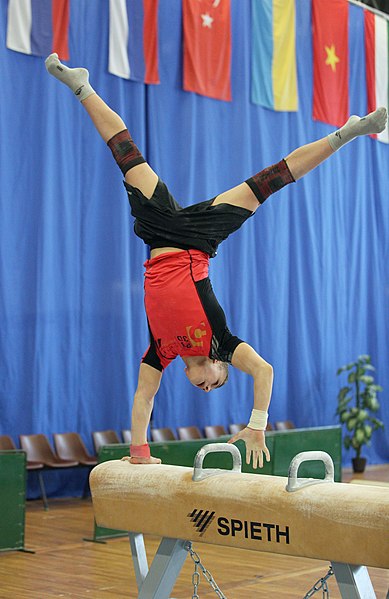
(342, 523)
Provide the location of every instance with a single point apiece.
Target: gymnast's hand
(255, 445)
(149, 460)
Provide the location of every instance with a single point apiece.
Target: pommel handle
(294, 483)
(199, 473)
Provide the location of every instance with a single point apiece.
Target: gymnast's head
(205, 373)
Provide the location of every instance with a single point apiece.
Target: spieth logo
(201, 520)
(258, 531)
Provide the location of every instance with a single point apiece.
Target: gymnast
(184, 316)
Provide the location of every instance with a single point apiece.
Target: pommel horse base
(347, 525)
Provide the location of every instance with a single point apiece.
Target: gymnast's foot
(76, 79)
(375, 122)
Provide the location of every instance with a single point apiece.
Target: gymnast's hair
(224, 367)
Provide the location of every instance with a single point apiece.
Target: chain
(321, 584)
(206, 573)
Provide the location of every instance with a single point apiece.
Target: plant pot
(359, 464)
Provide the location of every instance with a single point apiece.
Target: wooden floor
(64, 565)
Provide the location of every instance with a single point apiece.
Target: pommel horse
(347, 525)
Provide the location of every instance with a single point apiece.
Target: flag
(133, 40)
(377, 65)
(330, 61)
(274, 77)
(38, 27)
(207, 47)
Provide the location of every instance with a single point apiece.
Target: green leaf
(344, 403)
(366, 379)
(355, 443)
(368, 431)
(346, 367)
(343, 406)
(351, 424)
(352, 377)
(347, 442)
(343, 369)
(364, 358)
(360, 371)
(343, 392)
(367, 401)
(344, 417)
(341, 410)
(363, 414)
(360, 436)
(377, 423)
(374, 404)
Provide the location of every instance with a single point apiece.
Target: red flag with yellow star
(207, 47)
(330, 61)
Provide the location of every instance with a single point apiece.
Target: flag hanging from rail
(330, 61)
(38, 28)
(207, 47)
(274, 75)
(377, 65)
(133, 40)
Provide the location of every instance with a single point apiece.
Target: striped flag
(377, 65)
(133, 40)
(38, 27)
(274, 77)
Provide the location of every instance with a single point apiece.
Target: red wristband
(140, 451)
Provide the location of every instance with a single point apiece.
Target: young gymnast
(184, 316)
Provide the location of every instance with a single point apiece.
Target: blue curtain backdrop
(306, 281)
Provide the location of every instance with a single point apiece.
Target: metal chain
(206, 573)
(321, 584)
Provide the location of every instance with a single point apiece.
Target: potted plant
(357, 404)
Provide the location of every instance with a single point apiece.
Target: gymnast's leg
(109, 124)
(253, 192)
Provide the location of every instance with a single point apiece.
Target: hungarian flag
(330, 61)
(38, 28)
(133, 40)
(377, 65)
(207, 47)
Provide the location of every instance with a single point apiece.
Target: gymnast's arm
(246, 359)
(148, 384)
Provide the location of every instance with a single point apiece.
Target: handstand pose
(184, 316)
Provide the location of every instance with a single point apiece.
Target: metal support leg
(139, 557)
(353, 581)
(86, 490)
(43, 490)
(157, 582)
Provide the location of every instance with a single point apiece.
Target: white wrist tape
(258, 420)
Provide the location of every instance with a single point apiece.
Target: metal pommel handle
(199, 473)
(295, 483)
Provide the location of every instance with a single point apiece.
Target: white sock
(375, 122)
(76, 79)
